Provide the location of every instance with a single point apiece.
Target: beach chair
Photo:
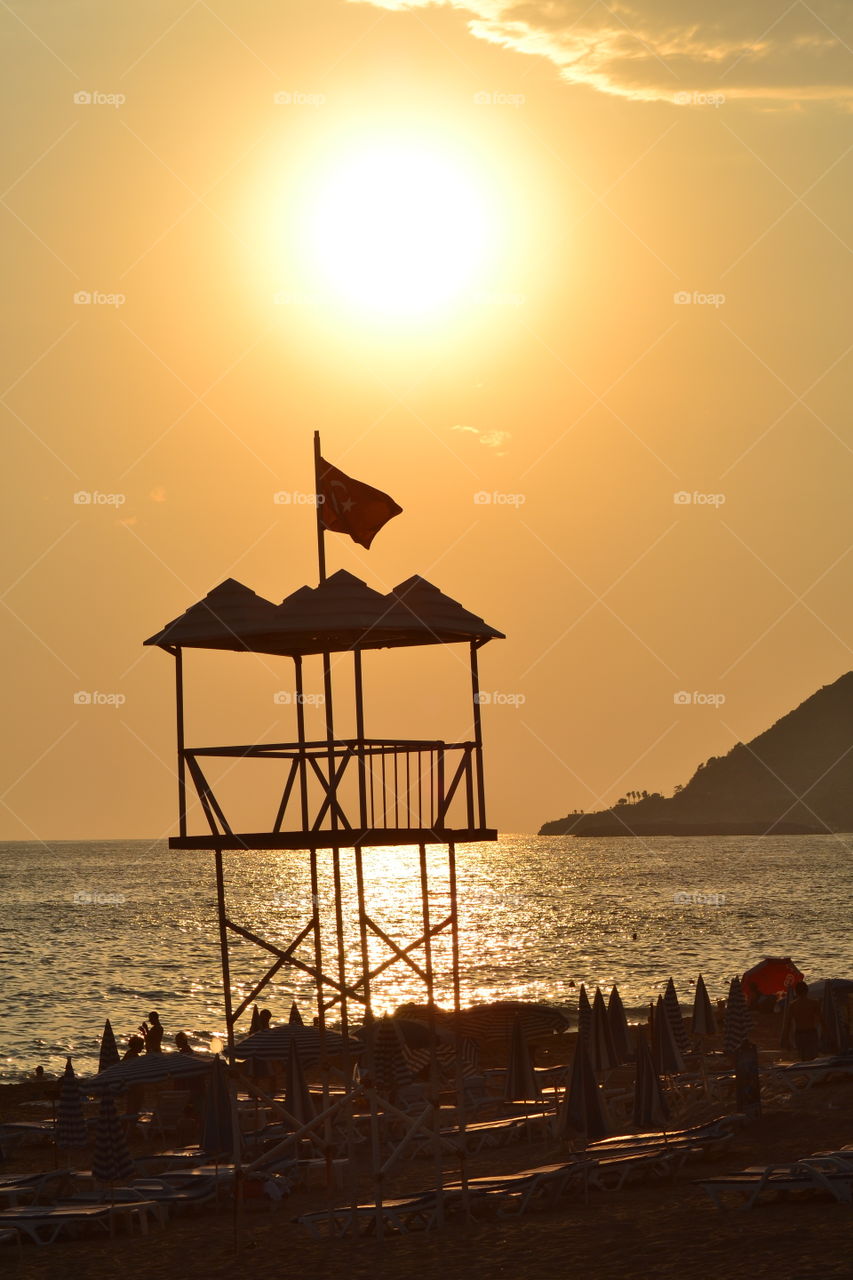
(611, 1173)
(802, 1177)
(799, 1076)
(33, 1188)
(43, 1224)
(515, 1193)
(409, 1213)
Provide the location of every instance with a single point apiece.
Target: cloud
(771, 51)
(491, 439)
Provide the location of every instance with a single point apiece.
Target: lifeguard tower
(337, 797)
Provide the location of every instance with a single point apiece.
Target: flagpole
(321, 546)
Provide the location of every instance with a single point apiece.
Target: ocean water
(117, 928)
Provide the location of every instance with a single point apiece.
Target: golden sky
(592, 262)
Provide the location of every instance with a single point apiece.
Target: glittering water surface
(91, 930)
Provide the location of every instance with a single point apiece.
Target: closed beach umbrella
(673, 1012)
(584, 1014)
(581, 1110)
(666, 1053)
(704, 1022)
(601, 1051)
(295, 1018)
(737, 1023)
(297, 1095)
(70, 1133)
(520, 1076)
(830, 1031)
(618, 1025)
(651, 1110)
(111, 1161)
(109, 1053)
(217, 1124)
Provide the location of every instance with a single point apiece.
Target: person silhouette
(135, 1045)
(153, 1034)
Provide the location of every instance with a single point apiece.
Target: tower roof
(342, 613)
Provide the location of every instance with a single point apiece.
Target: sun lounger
(804, 1075)
(486, 1135)
(44, 1223)
(797, 1178)
(541, 1187)
(410, 1213)
(33, 1187)
(611, 1173)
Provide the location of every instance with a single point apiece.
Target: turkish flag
(348, 506)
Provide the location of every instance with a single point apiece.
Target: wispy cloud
(491, 439)
(772, 51)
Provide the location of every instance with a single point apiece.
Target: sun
(399, 228)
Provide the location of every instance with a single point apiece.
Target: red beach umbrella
(771, 976)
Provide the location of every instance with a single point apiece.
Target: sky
(571, 282)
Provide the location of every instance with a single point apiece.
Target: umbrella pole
(461, 1104)
(223, 950)
(433, 1063)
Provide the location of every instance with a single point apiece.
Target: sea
(114, 929)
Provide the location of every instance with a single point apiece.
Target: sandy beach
(668, 1228)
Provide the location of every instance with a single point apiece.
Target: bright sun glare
(399, 229)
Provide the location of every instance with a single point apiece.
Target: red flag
(348, 506)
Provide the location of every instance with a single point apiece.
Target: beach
(666, 1228)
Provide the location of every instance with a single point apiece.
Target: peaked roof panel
(342, 613)
(229, 617)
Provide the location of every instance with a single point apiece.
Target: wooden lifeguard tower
(337, 797)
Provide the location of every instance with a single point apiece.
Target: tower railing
(349, 791)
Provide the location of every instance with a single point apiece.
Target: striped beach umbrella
(275, 1044)
(600, 1042)
(665, 1052)
(830, 1031)
(737, 1023)
(151, 1068)
(297, 1095)
(704, 1023)
(70, 1132)
(520, 1077)
(619, 1026)
(109, 1054)
(495, 1021)
(581, 1110)
(651, 1110)
(217, 1121)
(390, 1068)
(295, 1019)
(676, 1021)
(584, 1014)
(111, 1162)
